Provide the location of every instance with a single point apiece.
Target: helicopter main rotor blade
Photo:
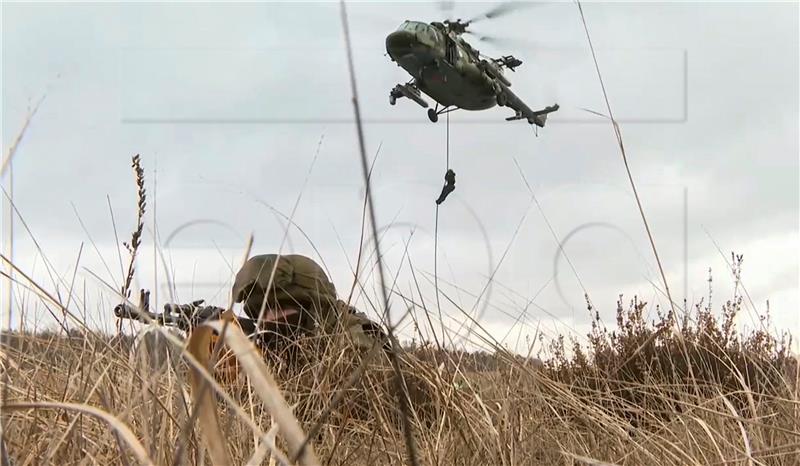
(486, 39)
(500, 10)
(499, 41)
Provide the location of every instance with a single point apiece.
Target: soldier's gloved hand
(206, 312)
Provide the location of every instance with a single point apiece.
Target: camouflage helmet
(298, 282)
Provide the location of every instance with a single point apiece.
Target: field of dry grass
(690, 392)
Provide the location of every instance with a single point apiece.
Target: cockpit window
(413, 26)
(424, 32)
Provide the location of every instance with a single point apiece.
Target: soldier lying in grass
(284, 297)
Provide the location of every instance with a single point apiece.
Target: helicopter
(444, 66)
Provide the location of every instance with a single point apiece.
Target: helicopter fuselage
(446, 68)
(442, 66)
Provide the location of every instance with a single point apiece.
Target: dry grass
(628, 399)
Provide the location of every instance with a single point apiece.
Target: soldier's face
(253, 303)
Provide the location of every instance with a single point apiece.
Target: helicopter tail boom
(507, 98)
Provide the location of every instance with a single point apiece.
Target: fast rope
(447, 142)
(450, 186)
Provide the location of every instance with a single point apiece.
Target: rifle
(181, 316)
(186, 317)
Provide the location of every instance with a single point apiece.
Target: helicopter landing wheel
(432, 115)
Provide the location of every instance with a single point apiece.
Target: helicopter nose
(400, 43)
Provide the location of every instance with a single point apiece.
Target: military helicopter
(454, 74)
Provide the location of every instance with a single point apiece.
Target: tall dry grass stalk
(136, 236)
(401, 389)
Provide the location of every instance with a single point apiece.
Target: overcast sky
(239, 109)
